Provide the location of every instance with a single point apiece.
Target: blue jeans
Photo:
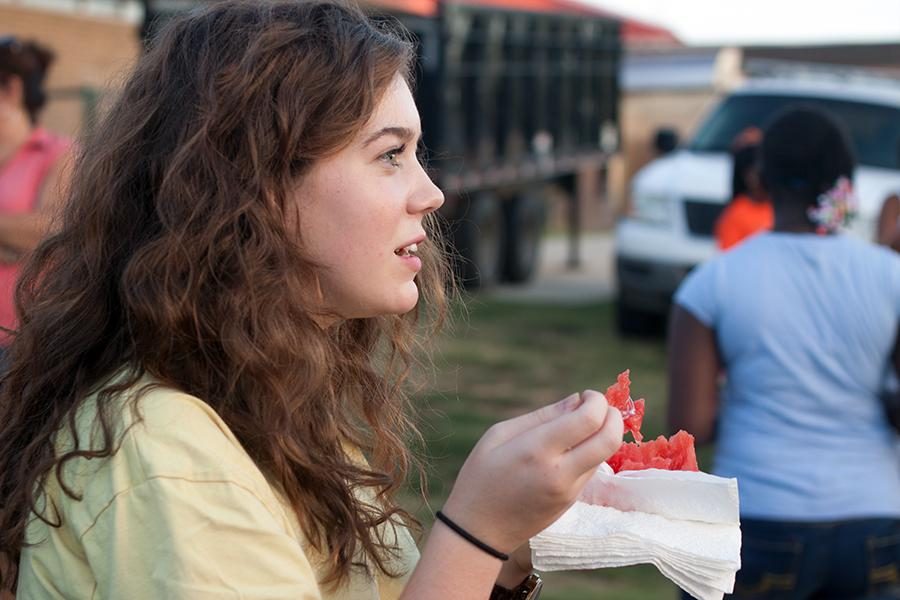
(841, 560)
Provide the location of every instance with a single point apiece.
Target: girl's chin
(408, 304)
(406, 300)
(401, 303)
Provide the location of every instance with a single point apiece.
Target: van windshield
(875, 129)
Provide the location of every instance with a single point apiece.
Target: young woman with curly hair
(205, 395)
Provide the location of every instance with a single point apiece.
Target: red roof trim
(634, 32)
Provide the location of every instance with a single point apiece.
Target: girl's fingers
(586, 456)
(574, 427)
(511, 428)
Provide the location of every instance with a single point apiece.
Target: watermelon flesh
(673, 454)
(618, 395)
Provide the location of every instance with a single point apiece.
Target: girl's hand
(525, 472)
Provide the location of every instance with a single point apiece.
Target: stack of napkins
(686, 523)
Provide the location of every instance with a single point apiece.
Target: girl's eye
(391, 155)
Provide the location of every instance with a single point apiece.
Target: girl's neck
(758, 196)
(793, 221)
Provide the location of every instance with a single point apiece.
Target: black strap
(469, 537)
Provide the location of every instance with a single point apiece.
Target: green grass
(505, 359)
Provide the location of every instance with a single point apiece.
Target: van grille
(701, 216)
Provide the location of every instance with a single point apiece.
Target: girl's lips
(412, 243)
(412, 261)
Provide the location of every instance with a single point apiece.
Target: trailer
(519, 99)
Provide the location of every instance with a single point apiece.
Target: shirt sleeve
(177, 539)
(697, 294)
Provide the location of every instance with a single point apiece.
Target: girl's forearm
(452, 569)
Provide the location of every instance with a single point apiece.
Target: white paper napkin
(685, 523)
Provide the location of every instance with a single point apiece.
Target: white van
(676, 199)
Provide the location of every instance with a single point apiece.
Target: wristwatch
(529, 589)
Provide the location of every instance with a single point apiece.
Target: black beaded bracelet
(469, 537)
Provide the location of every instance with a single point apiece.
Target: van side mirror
(665, 140)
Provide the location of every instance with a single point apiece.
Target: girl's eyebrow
(404, 133)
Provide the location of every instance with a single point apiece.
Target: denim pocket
(769, 568)
(884, 561)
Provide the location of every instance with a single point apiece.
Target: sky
(715, 22)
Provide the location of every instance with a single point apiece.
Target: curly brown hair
(175, 259)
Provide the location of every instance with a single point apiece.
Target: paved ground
(555, 282)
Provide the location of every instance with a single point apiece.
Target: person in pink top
(33, 165)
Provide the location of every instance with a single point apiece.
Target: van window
(875, 129)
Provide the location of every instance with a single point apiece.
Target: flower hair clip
(835, 208)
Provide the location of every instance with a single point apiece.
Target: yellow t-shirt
(180, 511)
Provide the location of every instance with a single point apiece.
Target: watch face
(529, 589)
(536, 584)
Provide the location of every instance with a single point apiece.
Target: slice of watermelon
(617, 395)
(673, 454)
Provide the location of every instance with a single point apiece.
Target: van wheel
(476, 239)
(524, 217)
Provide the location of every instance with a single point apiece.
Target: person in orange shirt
(750, 210)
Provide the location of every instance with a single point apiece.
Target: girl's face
(361, 213)
(11, 98)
